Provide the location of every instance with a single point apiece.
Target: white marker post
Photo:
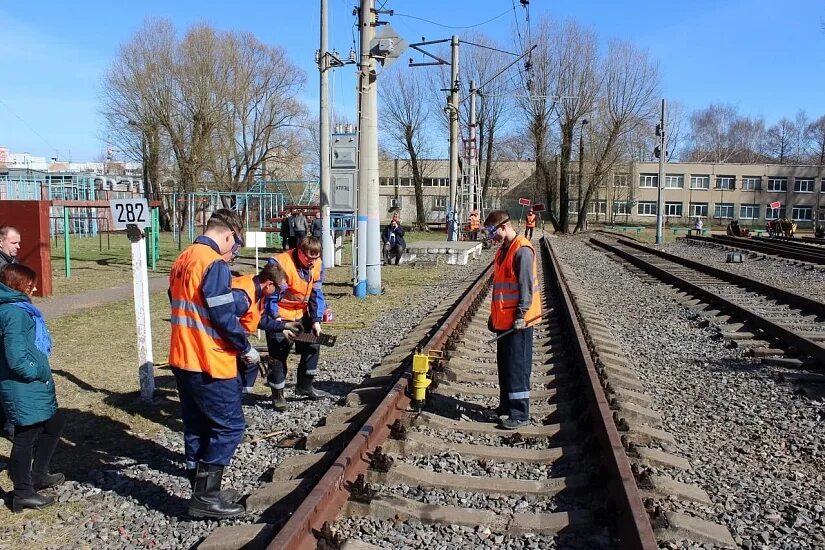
(133, 215)
(255, 239)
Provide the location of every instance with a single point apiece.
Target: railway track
(566, 480)
(784, 248)
(787, 322)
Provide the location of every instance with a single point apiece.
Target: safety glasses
(492, 229)
(237, 246)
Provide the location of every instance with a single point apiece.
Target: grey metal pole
(327, 246)
(370, 108)
(365, 141)
(473, 148)
(660, 204)
(452, 226)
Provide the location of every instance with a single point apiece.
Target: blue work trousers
(213, 421)
(514, 358)
(279, 347)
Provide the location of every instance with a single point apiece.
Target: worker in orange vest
(206, 341)
(475, 224)
(250, 294)
(530, 223)
(302, 304)
(515, 309)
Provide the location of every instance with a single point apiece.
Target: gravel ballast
(140, 501)
(754, 443)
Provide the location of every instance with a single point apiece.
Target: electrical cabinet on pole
(452, 108)
(327, 246)
(662, 154)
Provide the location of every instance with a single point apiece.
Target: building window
(405, 182)
(597, 207)
(723, 210)
(802, 213)
(751, 183)
(774, 213)
(699, 209)
(572, 179)
(395, 203)
(749, 211)
(803, 185)
(648, 180)
(700, 182)
(572, 206)
(725, 182)
(647, 208)
(505, 183)
(620, 180)
(490, 203)
(673, 209)
(822, 215)
(384, 181)
(777, 185)
(674, 181)
(621, 207)
(439, 203)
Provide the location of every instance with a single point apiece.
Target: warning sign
(524, 202)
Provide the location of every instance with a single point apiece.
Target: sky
(766, 57)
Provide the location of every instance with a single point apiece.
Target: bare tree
(780, 139)
(262, 110)
(626, 102)
(404, 112)
(816, 137)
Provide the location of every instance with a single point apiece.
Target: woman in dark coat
(27, 389)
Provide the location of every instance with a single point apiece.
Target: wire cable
(453, 26)
(35, 132)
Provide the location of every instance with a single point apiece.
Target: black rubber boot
(44, 481)
(227, 495)
(206, 497)
(36, 501)
(305, 388)
(278, 401)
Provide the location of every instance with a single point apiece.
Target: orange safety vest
(474, 222)
(505, 288)
(294, 300)
(252, 318)
(531, 220)
(196, 345)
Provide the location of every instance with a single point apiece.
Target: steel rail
(326, 499)
(791, 338)
(809, 254)
(635, 530)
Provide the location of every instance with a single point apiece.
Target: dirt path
(54, 308)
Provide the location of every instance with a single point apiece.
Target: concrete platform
(456, 252)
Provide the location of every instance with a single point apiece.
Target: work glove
(316, 328)
(263, 368)
(490, 324)
(519, 324)
(252, 357)
(293, 326)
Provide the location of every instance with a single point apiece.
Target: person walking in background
(9, 250)
(250, 294)
(530, 224)
(206, 340)
(394, 244)
(299, 226)
(317, 230)
(697, 225)
(474, 223)
(9, 245)
(27, 387)
(286, 233)
(515, 308)
(301, 302)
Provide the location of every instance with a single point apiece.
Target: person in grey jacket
(317, 230)
(27, 387)
(299, 226)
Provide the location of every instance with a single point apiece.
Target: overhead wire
(35, 132)
(396, 14)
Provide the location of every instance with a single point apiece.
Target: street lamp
(581, 173)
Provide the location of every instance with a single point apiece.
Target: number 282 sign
(126, 211)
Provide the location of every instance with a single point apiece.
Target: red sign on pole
(538, 207)
(524, 202)
(776, 205)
